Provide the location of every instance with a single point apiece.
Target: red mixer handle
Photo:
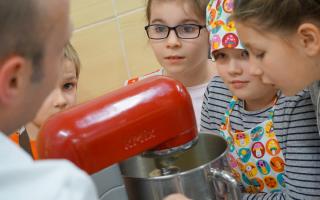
(155, 113)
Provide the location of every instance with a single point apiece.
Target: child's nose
(173, 41)
(60, 100)
(234, 67)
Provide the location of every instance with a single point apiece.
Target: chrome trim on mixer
(170, 151)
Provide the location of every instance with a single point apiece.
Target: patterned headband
(222, 30)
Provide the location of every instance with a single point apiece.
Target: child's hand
(176, 197)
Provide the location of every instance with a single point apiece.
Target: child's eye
(260, 55)
(218, 56)
(160, 29)
(188, 28)
(68, 86)
(245, 54)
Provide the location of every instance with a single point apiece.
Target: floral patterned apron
(255, 155)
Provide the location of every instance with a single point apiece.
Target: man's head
(33, 35)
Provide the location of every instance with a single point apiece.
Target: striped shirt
(295, 126)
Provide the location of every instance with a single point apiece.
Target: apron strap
(274, 102)
(24, 142)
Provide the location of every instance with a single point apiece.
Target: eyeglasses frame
(174, 28)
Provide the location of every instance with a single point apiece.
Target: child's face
(277, 61)
(233, 67)
(63, 96)
(179, 56)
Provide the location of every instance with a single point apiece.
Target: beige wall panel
(103, 67)
(85, 12)
(127, 5)
(140, 57)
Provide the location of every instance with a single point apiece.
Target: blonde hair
(72, 55)
(199, 7)
(283, 16)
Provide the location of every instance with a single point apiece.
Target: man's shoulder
(11, 154)
(63, 178)
(23, 175)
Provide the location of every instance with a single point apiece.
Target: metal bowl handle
(227, 178)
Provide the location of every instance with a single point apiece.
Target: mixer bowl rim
(201, 167)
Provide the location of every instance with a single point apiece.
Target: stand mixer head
(154, 116)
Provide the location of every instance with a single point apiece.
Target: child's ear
(309, 36)
(11, 72)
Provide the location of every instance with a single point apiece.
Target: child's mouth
(175, 59)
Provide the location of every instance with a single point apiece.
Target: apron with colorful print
(255, 155)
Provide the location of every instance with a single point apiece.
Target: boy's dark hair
(20, 32)
(278, 15)
(199, 6)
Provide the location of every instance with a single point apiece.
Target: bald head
(21, 31)
(32, 36)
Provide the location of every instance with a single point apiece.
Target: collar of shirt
(11, 154)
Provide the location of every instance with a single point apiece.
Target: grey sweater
(296, 129)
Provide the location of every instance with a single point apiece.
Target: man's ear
(12, 74)
(309, 37)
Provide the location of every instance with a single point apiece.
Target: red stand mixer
(155, 114)
(154, 118)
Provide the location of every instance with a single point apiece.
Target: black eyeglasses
(183, 31)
